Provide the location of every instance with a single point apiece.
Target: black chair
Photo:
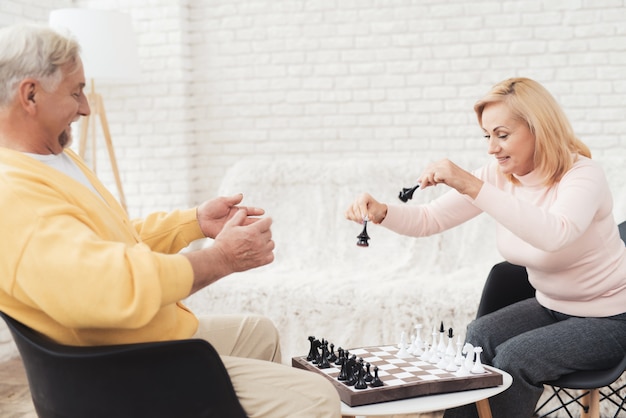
(507, 284)
(173, 379)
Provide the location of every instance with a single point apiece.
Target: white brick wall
(337, 78)
(13, 11)
(223, 80)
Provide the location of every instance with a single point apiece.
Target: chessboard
(402, 377)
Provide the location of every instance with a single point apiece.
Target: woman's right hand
(366, 207)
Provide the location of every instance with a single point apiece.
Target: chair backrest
(506, 284)
(184, 378)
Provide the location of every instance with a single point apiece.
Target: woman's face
(510, 140)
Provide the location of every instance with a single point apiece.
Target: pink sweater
(565, 235)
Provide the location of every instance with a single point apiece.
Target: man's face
(58, 108)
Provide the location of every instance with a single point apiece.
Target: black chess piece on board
(352, 366)
(343, 373)
(407, 193)
(313, 350)
(332, 357)
(323, 362)
(376, 382)
(368, 373)
(361, 383)
(339, 356)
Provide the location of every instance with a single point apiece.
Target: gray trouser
(536, 345)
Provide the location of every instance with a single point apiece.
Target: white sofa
(322, 284)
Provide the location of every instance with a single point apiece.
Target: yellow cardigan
(75, 267)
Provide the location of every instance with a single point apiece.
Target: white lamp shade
(108, 42)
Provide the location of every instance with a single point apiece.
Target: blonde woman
(553, 210)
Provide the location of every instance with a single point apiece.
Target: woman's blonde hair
(31, 50)
(555, 141)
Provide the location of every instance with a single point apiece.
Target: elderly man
(77, 269)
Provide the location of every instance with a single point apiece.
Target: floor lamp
(109, 55)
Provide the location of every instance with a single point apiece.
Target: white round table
(430, 403)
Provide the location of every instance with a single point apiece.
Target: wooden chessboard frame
(356, 397)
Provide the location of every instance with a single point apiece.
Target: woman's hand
(365, 207)
(446, 172)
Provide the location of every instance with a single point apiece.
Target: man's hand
(242, 244)
(245, 246)
(213, 214)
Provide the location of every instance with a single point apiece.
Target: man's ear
(27, 93)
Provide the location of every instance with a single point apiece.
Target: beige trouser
(249, 347)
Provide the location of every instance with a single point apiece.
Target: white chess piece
(442, 364)
(462, 370)
(427, 351)
(450, 349)
(458, 360)
(441, 348)
(452, 366)
(411, 346)
(433, 355)
(468, 350)
(418, 343)
(402, 353)
(449, 354)
(402, 343)
(478, 366)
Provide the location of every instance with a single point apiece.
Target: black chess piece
(368, 374)
(323, 360)
(360, 382)
(407, 193)
(363, 237)
(339, 356)
(376, 382)
(352, 366)
(331, 355)
(343, 373)
(313, 350)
